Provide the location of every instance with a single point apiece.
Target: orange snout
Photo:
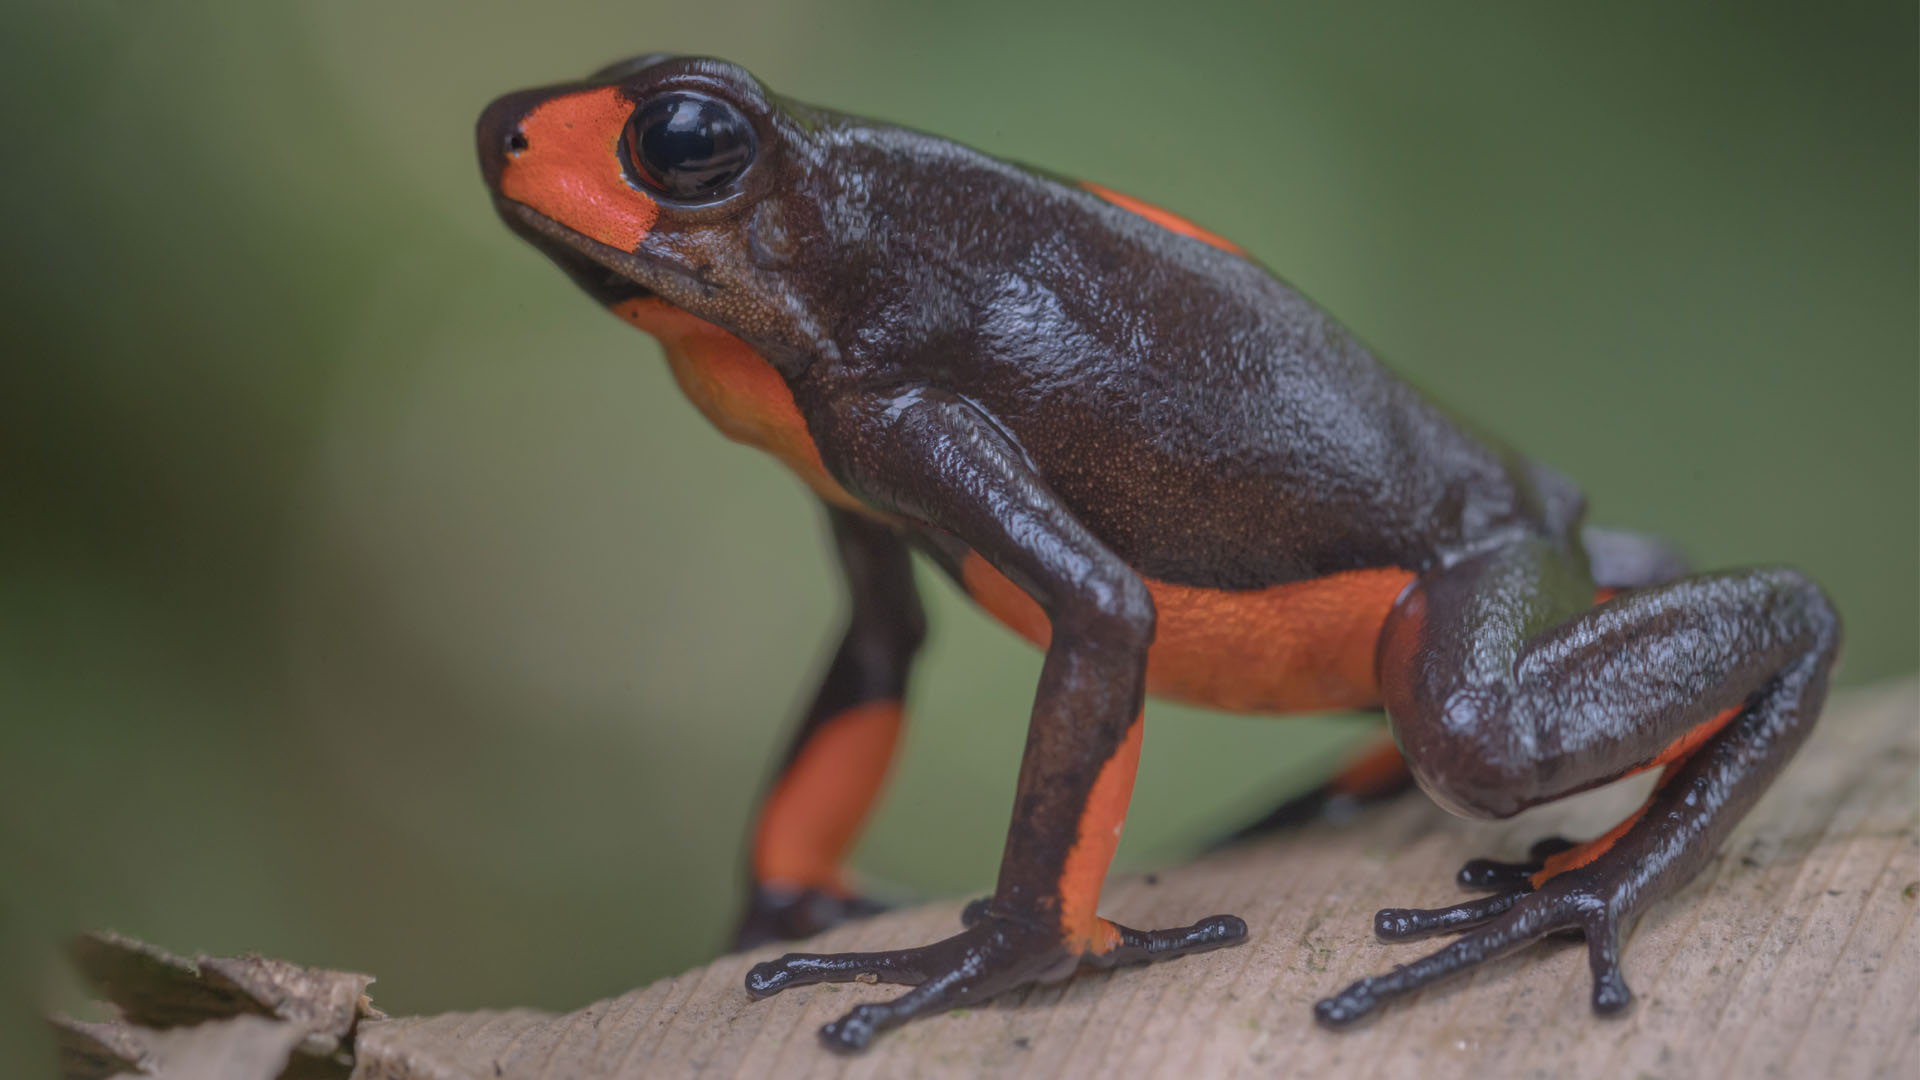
(558, 152)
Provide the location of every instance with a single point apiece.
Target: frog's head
(671, 181)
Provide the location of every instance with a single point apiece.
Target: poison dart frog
(1135, 446)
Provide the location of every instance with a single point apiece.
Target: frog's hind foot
(778, 914)
(1490, 876)
(1563, 886)
(1591, 902)
(1509, 687)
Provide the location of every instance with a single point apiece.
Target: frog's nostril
(500, 135)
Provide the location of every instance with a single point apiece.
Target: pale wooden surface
(1794, 954)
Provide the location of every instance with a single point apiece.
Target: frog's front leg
(933, 458)
(1506, 688)
(833, 770)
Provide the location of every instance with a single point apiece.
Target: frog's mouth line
(607, 272)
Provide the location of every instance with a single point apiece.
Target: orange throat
(736, 390)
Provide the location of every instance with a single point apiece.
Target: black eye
(688, 145)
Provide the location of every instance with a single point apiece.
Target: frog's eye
(688, 146)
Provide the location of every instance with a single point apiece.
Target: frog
(1127, 440)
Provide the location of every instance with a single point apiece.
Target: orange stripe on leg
(1098, 837)
(1677, 751)
(1684, 746)
(810, 820)
(1581, 854)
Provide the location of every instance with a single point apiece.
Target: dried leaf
(93, 1051)
(324, 1004)
(238, 1048)
(152, 987)
(156, 989)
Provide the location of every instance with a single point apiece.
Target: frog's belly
(1301, 647)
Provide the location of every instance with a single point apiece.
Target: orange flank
(1302, 647)
(1093, 848)
(570, 171)
(1378, 770)
(736, 390)
(1162, 218)
(810, 820)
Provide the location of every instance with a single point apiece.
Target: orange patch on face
(1163, 219)
(737, 390)
(1302, 647)
(816, 810)
(1093, 848)
(570, 169)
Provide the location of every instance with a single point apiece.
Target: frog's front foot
(1595, 900)
(781, 914)
(992, 955)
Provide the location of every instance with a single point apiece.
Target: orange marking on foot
(570, 169)
(1162, 218)
(815, 811)
(737, 390)
(1302, 647)
(1380, 769)
(1093, 847)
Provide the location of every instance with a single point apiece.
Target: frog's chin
(608, 273)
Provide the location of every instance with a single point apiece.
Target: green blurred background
(369, 598)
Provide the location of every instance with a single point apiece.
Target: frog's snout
(501, 135)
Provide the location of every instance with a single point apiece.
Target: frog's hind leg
(1507, 689)
(838, 759)
(1617, 560)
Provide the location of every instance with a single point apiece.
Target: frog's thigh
(1506, 687)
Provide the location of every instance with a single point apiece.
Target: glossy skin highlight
(1143, 452)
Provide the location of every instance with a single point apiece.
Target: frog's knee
(1455, 755)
